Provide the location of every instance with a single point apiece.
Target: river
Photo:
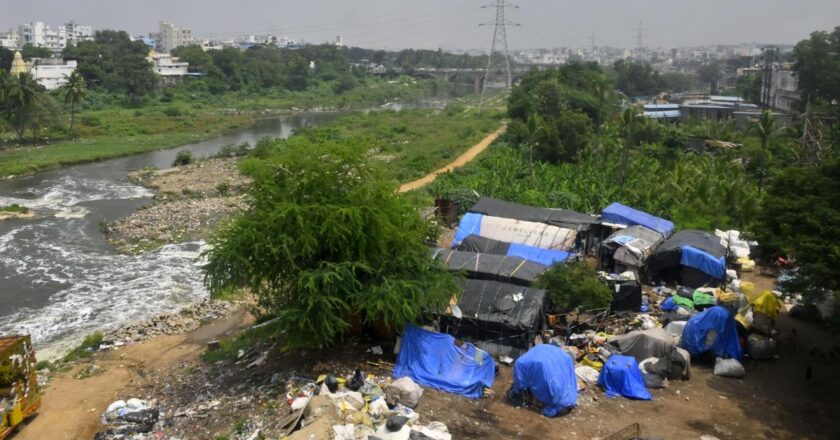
(59, 277)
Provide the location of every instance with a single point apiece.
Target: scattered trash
(404, 391)
(126, 418)
(729, 368)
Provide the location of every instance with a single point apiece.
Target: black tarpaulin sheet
(664, 264)
(499, 313)
(480, 266)
(627, 296)
(563, 218)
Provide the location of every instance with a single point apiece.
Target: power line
(498, 64)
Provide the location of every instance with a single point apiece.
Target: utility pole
(498, 73)
(769, 54)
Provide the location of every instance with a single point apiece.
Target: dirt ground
(776, 399)
(71, 407)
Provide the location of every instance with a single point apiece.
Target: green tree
(710, 74)
(328, 239)
(816, 62)
(29, 51)
(21, 94)
(800, 217)
(574, 286)
(630, 125)
(75, 92)
(637, 78)
(749, 87)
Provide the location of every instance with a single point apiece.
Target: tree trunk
(72, 116)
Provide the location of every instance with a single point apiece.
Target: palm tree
(766, 129)
(629, 123)
(602, 90)
(20, 96)
(74, 93)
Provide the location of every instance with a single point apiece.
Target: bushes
(183, 158)
(574, 285)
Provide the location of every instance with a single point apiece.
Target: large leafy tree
(328, 240)
(801, 218)
(816, 62)
(115, 63)
(637, 78)
(21, 95)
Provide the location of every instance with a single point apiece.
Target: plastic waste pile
(128, 420)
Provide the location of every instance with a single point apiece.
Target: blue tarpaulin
(433, 360)
(704, 262)
(724, 344)
(548, 373)
(624, 215)
(546, 257)
(669, 305)
(621, 376)
(470, 224)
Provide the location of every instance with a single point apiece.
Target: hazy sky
(452, 23)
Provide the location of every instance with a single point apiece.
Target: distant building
(784, 90)
(18, 65)
(39, 34)
(52, 73)
(172, 36)
(9, 40)
(76, 33)
(149, 41)
(169, 68)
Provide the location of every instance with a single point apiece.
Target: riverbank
(114, 131)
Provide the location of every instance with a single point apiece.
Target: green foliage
(678, 82)
(710, 74)
(816, 62)
(85, 348)
(327, 239)
(183, 158)
(14, 208)
(574, 285)
(800, 217)
(637, 78)
(749, 88)
(240, 150)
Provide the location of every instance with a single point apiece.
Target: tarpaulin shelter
(546, 257)
(563, 218)
(548, 373)
(539, 235)
(627, 295)
(629, 249)
(501, 318)
(714, 331)
(625, 215)
(513, 270)
(643, 344)
(435, 360)
(621, 376)
(692, 258)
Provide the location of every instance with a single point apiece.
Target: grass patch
(86, 348)
(14, 208)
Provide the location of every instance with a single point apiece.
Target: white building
(39, 34)
(169, 68)
(76, 33)
(52, 74)
(172, 36)
(9, 40)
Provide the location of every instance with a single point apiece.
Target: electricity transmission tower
(498, 73)
(770, 55)
(640, 38)
(813, 152)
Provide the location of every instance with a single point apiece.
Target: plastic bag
(357, 381)
(404, 391)
(729, 368)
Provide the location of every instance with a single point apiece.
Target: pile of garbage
(130, 419)
(188, 319)
(359, 407)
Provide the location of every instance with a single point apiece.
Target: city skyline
(453, 25)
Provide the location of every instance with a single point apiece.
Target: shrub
(14, 208)
(183, 158)
(574, 285)
(91, 121)
(233, 150)
(173, 112)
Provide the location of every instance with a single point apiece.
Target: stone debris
(188, 319)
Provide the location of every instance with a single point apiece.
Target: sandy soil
(71, 407)
(460, 161)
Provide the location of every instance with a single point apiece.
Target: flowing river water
(59, 277)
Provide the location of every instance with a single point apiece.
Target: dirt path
(460, 161)
(71, 407)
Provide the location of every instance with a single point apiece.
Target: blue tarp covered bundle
(621, 376)
(703, 261)
(624, 215)
(716, 319)
(433, 360)
(549, 373)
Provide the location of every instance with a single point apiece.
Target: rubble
(189, 318)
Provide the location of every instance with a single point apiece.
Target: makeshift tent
(629, 249)
(655, 342)
(512, 270)
(500, 318)
(434, 360)
(691, 258)
(563, 218)
(714, 331)
(624, 215)
(508, 230)
(546, 257)
(621, 376)
(627, 295)
(548, 373)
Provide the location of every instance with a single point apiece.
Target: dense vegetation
(328, 242)
(574, 285)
